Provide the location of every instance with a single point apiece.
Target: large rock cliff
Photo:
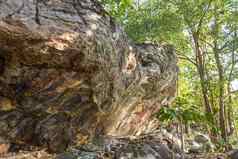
(68, 73)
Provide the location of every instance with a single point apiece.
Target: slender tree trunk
(201, 71)
(211, 91)
(221, 85)
(182, 137)
(195, 32)
(230, 124)
(222, 116)
(230, 127)
(187, 128)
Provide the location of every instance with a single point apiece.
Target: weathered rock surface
(200, 144)
(68, 73)
(148, 147)
(233, 154)
(201, 138)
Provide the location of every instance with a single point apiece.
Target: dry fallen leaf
(4, 148)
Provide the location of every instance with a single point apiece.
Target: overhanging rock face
(68, 72)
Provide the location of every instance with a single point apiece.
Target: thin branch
(184, 57)
(202, 17)
(205, 41)
(230, 65)
(232, 92)
(226, 44)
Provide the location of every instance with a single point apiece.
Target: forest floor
(209, 156)
(42, 154)
(33, 152)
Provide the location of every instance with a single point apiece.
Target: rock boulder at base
(68, 73)
(148, 147)
(233, 154)
(201, 144)
(201, 138)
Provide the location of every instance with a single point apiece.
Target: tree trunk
(201, 71)
(231, 127)
(182, 137)
(221, 85)
(221, 97)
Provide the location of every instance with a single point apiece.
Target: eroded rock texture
(153, 146)
(68, 73)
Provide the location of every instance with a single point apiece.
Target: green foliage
(167, 114)
(117, 8)
(182, 111)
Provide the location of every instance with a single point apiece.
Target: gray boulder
(195, 148)
(200, 144)
(233, 154)
(201, 138)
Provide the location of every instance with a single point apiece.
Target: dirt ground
(27, 155)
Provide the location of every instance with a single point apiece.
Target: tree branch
(184, 57)
(202, 18)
